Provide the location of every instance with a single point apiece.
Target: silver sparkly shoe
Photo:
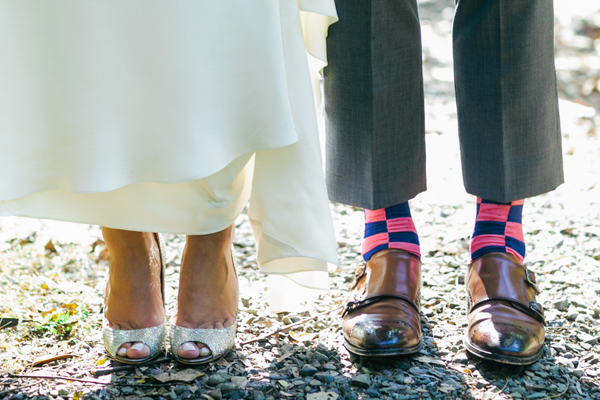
(153, 337)
(219, 342)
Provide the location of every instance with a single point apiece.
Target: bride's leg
(208, 288)
(133, 298)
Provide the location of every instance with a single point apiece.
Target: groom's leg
(374, 104)
(376, 160)
(510, 143)
(507, 98)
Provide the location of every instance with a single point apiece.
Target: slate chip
(308, 370)
(361, 381)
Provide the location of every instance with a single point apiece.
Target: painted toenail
(188, 346)
(122, 352)
(205, 351)
(138, 346)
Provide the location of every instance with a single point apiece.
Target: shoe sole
(383, 352)
(487, 355)
(135, 361)
(192, 362)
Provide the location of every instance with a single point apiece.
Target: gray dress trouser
(505, 90)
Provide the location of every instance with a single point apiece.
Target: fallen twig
(285, 328)
(17, 388)
(92, 381)
(506, 384)
(48, 359)
(106, 371)
(562, 393)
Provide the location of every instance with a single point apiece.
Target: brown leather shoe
(506, 324)
(381, 316)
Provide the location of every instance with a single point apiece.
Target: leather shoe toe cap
(383, 335)
(504, 338)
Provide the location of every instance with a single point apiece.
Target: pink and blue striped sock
(390, 228)
(498, 227)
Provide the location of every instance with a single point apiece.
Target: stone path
(52, 276)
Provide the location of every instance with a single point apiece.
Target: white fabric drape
(169, 116)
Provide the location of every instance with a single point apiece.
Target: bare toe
(138, 350)
(204, 350)
(188, 350)
(124, 349)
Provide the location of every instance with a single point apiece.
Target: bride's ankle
(218, 243)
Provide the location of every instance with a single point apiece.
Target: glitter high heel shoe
(153, 337)
(219, 341)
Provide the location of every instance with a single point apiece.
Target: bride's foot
(133, 298)
(208, 288)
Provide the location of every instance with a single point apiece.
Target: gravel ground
(52, 276)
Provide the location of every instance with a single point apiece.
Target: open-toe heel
(218, 341)
(153, 337)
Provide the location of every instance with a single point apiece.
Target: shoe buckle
(531, 280)
(350, 306)
(359, 274)
(537, 308)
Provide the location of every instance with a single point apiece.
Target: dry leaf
(462, 370)
(28, 239)
(70, 306)
(46, 359)
(302, 336)
(222, 363)
(429, 360)
(267, 323)
(101, 361)
(187, 375)
(50, 247)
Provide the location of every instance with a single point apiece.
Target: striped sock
(498, 228)
(390, 228)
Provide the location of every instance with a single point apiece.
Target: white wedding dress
(169, 116)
